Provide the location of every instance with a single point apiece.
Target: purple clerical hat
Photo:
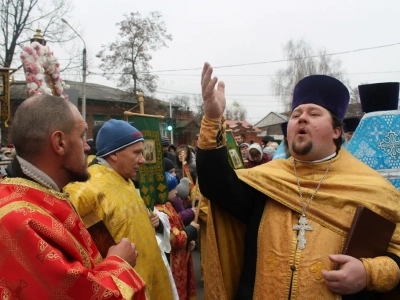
(379, 96)
(324, 91)
(350, 124)
(284, 128)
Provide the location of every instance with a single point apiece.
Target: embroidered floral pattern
(376, 142)
(271, 261)
(391, 144)
(316, 269)
(365, 150)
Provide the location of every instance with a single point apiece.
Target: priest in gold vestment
(290, 217)
(45, 250)
(111, 196)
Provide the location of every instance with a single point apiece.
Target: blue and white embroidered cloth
(280, 152)
(376, 142)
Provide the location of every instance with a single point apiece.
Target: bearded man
(293, 215)
(46, 251)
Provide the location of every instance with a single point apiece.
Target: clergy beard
(75, 171)
(80, 176)
(302, 149)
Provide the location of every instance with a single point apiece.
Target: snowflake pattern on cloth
(376, 142)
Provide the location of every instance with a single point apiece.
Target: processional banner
(152, 182)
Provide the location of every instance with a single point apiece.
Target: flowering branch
(42, 71)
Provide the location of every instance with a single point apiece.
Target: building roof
(234, 124)
(93, 91)
(184, 123)
(271, 119)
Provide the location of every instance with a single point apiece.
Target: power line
(266, 62)
(241, 75)
(227, 95)
(282, 60)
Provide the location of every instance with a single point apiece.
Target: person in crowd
(172, 149)
(165, 144)
(93, 150)
(256, 156)
(294, 214)
(182, 243)
(182, 202)
(7, 152)
(239, 138)
(111, 196)
(266, 141)
(186, 164)
(244, 148)
(274, 145)
(46, 251)
(270, 152)
(169, 166)
(349, 126)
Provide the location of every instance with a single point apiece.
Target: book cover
(99, 233)
(369, 236)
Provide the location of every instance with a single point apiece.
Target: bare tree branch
(19, 19)
(301, 63)
(236, 112)
(128, 58)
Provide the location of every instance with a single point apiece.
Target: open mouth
(301, 131)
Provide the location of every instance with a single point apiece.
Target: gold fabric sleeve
(383, 273)
(212, 133)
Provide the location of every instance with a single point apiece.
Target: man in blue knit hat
(111, 196)
(290, 217)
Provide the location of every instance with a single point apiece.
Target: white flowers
(42, 71)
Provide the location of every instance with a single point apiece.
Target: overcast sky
(237, 32)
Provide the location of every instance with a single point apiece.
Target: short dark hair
(337, 123)
(35, 119)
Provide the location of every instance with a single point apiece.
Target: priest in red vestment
(46, 251)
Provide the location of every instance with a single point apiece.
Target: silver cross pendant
(302, 227)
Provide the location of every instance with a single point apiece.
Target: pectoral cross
(302, 227)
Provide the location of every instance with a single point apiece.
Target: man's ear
(337, 132)
(58, 142)
(113, 156)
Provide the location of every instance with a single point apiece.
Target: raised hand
(213, 99)
(126, 250)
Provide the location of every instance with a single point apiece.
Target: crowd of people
(285, 216)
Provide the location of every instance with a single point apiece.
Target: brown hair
(35, 119)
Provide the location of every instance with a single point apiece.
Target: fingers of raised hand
(203, 73)
(209, 89)
(221, 87)
(208, 84)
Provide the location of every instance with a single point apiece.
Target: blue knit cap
(171, 181)
(115, 135)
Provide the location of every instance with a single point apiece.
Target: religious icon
(149, 151)
(237, 163)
